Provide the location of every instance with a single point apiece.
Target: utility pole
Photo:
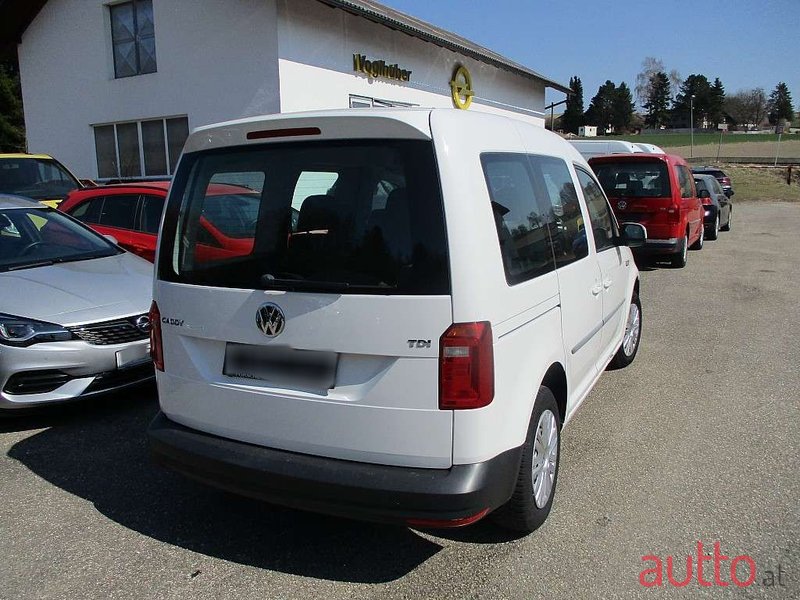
(691, 124)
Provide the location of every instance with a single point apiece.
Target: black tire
(713, 233)
(678, 259)
(698, 245)
(621, 358)
(521, 512)
(727, 226)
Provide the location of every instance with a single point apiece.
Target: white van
(410, 305)
(590, 148)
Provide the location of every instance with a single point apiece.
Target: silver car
(73, 309)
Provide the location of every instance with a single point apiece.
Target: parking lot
(699, 440)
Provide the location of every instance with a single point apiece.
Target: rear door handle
(607, 284)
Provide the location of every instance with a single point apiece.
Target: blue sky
(746, 43)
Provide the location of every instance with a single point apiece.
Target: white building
(587, 131)
(112, 89)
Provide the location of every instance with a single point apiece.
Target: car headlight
(19, 331)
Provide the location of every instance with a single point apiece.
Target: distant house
(587, 131)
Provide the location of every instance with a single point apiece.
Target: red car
(132, 213)
(656, 190)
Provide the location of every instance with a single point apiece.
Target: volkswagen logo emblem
(622, 205)
(142, 323)
(270, 319)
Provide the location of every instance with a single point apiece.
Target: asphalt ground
(698, 440)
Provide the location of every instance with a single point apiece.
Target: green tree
(779, 105)
(695, 92)
(716, 103)
(601, 108)
(657, 100)
(622, 109)
(12, 123)
(573, 118)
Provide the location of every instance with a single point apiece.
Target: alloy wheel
(545, 456)
(632, 329)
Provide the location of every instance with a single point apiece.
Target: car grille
(119, 331)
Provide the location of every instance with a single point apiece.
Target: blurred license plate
(281, 366)
(132, 356)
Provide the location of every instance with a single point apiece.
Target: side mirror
(633, 235)
(729, 193)
(704, 194)
(112, 239)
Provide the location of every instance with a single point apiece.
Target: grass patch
(763, 184)
(700, 139)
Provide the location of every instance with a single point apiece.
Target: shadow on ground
(99, 452)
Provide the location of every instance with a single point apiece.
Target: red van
(656, 190)
(132, 213)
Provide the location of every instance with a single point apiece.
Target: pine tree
(716, 103)
(622, 109)
(601, 108)
(657, 101)
(572, 118)
(779, 105)
(694, 94)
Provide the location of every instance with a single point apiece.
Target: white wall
(217, 60)
(316, 47)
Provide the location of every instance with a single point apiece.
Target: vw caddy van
(428, 298)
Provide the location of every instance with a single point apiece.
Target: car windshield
(642, 179)
(37, 178)
(32, 237)
(350, 217)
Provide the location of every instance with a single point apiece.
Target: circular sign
(461, 88)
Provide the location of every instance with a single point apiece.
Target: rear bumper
(709, 216)
(661, 246)
(342, 488)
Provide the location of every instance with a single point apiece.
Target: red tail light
(156, 349)
(466, 366)
(447, 523)
(725, 181)
(674, 213)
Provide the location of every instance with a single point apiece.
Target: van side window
(519, 219)
(563, 215)
(685, 182)
(604, 227)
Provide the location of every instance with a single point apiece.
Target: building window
(139, 148)
(133, 37)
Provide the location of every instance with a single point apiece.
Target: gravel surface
(697, 441)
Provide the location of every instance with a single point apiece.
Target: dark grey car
(717, 208)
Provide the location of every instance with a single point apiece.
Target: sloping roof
(17, 15)
(418, 28)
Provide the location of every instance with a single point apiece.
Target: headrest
(318, 212)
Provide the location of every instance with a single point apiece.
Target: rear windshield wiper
(268, 282)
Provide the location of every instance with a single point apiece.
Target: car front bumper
(53, 372)
(332, 486)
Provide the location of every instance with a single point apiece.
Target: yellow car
(37, 176)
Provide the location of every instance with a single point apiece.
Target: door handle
(597, 289)
(606, 284)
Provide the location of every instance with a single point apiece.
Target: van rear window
(344, 217)
(641, 179)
